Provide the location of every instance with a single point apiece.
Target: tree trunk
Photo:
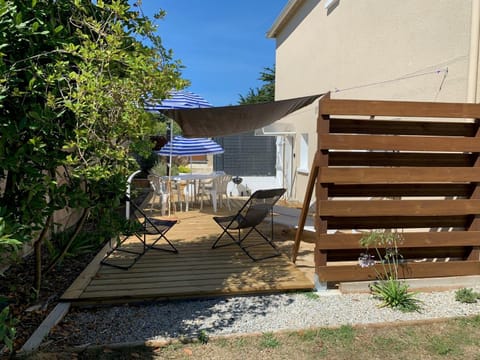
(38, 254)
(78, 228)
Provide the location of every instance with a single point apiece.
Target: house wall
(370, 49)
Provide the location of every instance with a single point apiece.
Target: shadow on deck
(197, 270)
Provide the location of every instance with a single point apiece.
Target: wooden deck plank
(197, 270)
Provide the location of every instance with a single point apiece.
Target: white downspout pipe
(472, 90)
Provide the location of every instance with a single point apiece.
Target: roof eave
(286, 14)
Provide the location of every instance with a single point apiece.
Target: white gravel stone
(250, 314)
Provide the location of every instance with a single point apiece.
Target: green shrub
(7, 243)
(203, 337)
(184, 169)
(396, 295)
(7, 328)
(467, 296)
(388, 288)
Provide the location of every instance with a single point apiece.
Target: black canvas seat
(141, 227)
(239, 226)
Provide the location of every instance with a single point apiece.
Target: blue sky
(222, 44)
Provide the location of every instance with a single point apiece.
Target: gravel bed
(243, 315)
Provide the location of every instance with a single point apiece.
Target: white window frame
(303, 163)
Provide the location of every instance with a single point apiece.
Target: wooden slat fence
(411, 167)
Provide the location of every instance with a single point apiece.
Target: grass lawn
(449, 339)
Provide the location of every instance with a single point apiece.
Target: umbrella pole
(170, 169)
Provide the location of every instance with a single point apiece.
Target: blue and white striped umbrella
(181, 99)
(180, 146)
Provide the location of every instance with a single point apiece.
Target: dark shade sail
(229, 120)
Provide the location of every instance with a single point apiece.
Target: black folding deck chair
(142, 227)
(253, 213)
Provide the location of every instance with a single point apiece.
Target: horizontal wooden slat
(364, 158)
(399, 127)
(408, 271)
(399, 175)
(418, 239)
(398, 108)
(407, 222)
(395, 190)
(456, 253)
(400, 143)
(399, 207)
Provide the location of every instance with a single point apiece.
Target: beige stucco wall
(371, 49)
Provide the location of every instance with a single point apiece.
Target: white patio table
(191, 180)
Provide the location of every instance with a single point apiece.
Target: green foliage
(184, 169)
(203, 337)
(74, 75)
(345, 334)
(393, 292)
(440, 346)
(160, 168)
(263, 94)
(269, 341)
(7, 243)
(467, 296)
(7, 328)
(312, 295)
(84, 243)
(146, 163)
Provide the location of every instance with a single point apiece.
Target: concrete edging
(55, 316)
(424, 284)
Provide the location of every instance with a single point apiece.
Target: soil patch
(26, 308)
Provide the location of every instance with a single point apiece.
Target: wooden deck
(196, 271)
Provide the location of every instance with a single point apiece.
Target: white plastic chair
(217, 192)
(160, 191)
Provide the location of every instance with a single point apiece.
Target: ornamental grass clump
(466, 296)
(393, 292)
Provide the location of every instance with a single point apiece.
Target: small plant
(203, 336)
(184, 169)
(7, 328)
(393, 292)
(269, 341)
(466, 296)
(312, 295)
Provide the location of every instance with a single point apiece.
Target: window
(199, 159)
(247, 155)
(303, 166)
